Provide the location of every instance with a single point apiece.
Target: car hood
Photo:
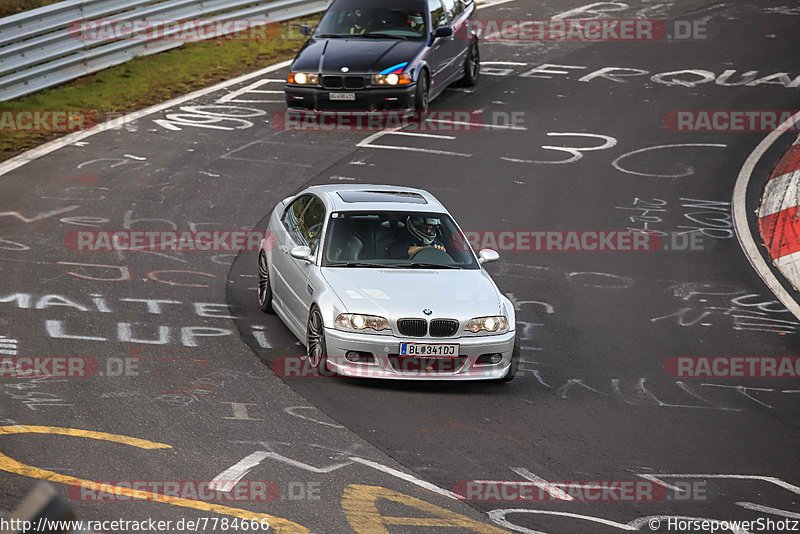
(359, 55)
(395, 293)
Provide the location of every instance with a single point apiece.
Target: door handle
(284, 249)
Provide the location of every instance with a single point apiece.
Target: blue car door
(458, 44)
(441, 49)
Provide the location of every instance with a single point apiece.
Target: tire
(264, 288)
(512, 371)
(472, 66)
(422, 96)
(316, 349)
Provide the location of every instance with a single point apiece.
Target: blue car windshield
(372, 22)
(396, 239)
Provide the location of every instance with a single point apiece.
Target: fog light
(355, 356)
(489, 359)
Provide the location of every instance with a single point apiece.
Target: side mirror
(304, 253)
(443, 31)
(487, 255)
(305, 29)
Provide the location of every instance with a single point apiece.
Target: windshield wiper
(418, 265)
(379, 35)
(331, 35)
(356, 264)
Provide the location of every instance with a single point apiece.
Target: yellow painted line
(116, 438)
(283, 526)
(360, 506)
(418, 521)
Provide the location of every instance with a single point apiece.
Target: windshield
(396, 240)
(371, 22)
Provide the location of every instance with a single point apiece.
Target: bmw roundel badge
(427, 311)
(345, 69)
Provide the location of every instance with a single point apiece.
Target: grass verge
(148, 80)
(12, 7)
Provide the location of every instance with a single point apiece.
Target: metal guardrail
(39, 48)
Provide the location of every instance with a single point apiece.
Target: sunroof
(382, 196)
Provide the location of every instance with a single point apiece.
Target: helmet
(417, 226)
(357, 16)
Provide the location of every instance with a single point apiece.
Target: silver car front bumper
(388, 364)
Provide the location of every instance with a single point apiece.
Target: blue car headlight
(391, 79)
(303, 78)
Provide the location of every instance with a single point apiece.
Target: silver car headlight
(356, 322)
(496, 324)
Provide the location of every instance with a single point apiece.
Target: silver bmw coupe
(379, 281)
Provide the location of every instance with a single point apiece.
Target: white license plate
(342, 96)
(428, 349)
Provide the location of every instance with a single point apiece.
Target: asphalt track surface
(592, 401)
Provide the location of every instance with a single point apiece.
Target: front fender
(326, 299)
(509, 311)
(418, 68)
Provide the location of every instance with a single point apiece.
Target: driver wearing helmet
(422, 232)
(415, 20)
(358, 22)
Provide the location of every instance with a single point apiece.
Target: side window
(438, 15)
(310, 224)
(453, 8)
(291, 218)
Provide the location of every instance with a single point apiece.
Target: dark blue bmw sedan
(384, 54)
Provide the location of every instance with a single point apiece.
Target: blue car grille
(339, 82)
(354, 82)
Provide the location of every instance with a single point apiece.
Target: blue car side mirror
(443, 31)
